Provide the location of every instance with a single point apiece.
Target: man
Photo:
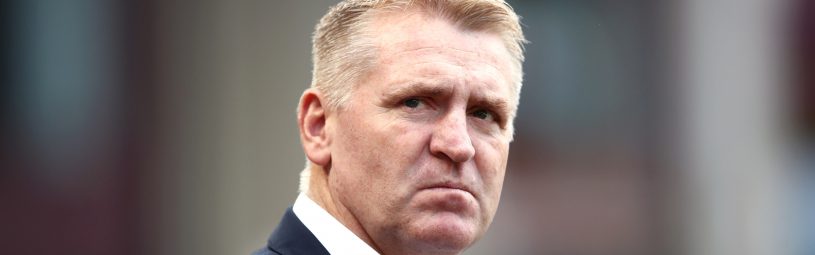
(406, 127)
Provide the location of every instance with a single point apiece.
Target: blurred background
(645, 127)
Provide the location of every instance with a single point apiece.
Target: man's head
(343, 50)
(409, 118)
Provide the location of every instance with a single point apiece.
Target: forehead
(420, 42)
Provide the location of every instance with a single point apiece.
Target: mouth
(451, 186)
(450, 197)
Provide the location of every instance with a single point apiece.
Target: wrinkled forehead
(406, 36)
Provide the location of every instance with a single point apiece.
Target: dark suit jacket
(291, 237)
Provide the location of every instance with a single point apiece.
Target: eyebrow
(419, 88)
(493, 102)
(425, 89)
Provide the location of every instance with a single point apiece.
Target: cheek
(492, 163)
(356, 147)
(377, 151)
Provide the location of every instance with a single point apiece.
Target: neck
(323, 195)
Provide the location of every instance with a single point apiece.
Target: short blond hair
(342, 51)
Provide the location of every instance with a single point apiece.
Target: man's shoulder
(291, 237)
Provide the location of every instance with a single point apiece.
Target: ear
(311, 119)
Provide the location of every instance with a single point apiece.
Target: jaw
(431, 232)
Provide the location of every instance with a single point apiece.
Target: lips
(451, 185)
(452, 197)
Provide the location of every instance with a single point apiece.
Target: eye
(484, 115)
(412, 102)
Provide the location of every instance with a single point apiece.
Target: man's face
(418, 154)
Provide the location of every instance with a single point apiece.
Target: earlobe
(311, 119)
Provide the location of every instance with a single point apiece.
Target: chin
(447, 232)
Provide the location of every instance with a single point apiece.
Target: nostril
(453, 146)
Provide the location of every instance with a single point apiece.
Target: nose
(451, 138)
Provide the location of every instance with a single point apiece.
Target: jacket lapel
(291, 237)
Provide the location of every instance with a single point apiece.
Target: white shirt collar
(334, 236)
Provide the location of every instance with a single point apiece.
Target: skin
(415, 161)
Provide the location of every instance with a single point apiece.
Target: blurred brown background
(645, 127)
